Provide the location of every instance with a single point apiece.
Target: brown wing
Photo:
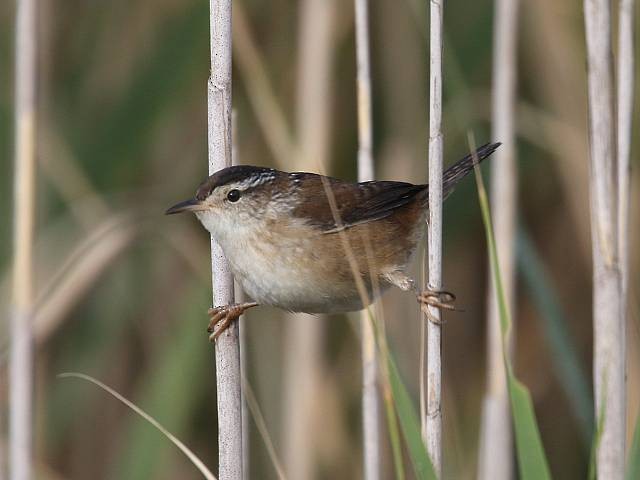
(356, 203)
(359, 203)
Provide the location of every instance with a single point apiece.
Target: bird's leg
(438, 299)
(435, 298)
(221, 317)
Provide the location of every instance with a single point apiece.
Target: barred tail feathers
(461, 168)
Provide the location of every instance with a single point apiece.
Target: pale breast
(295, 269)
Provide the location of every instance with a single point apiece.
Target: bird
(305, 242)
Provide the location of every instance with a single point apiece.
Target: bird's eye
(233, 195)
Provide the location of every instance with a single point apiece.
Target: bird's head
(233, 198)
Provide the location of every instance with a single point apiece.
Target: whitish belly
(287, 278)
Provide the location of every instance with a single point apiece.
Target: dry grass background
(122, 291)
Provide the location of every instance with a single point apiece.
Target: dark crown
(248, 174)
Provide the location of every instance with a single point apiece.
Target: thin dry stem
(193, 458)
(242, 326)
(254, 407)
(496, 459)
(79, 272)
(365, 108)
(305, 333)
(554, 48)
(260, 92)
(625, 120)
(609, 325)
(228, 344)
(314, 86)
(21, 355)
(432, 417)
(66, 175)
(370, 397)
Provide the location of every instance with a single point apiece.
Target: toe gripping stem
(436, 298)
(222, 317)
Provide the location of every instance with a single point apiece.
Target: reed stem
(496, 449)
(21, 354)
(432, 417)
(608, 319)
(228, 374)
(370, 396)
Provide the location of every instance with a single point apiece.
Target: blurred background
(122, 290)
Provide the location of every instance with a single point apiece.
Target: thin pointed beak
(187, 206)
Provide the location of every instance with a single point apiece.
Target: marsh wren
(284, 236)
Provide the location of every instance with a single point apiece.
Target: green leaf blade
(410, 424)
(532, 461)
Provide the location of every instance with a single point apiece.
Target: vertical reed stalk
(370, 397)
(608, 319)
(242, 325)
(305, 332)
(496, 458)
(260, 93)
(228, 379)
(432, 418)
(21, 355)
(625, 120)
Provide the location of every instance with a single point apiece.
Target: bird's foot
(438, 299)
(222, 317)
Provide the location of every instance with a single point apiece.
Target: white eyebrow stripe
(257, 179)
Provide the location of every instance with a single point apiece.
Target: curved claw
(436, 298)
(223, 316)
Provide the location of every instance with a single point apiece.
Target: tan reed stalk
(431, 414)
(305, 333)
(608, 316)
(253, 406)
(625, 120)
(242, 325)
(21, 355)
(370, 396)
(496, 449)
(228, 379)
(269, 115)
(79, 272)
(547, 29)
